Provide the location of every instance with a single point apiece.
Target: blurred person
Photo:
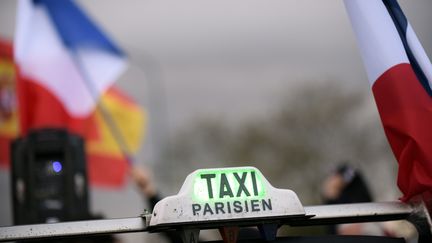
(142, 178)
(347, 185)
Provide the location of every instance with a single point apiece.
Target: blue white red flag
(400, 74)
(62, 54)
(64, 65)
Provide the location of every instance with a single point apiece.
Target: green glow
(201, 191)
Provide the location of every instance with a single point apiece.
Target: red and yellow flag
(8, 108)
(107, 165)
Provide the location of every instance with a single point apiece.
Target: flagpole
(106, 116)
(152, 71)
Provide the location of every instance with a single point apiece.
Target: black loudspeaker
(49, 180)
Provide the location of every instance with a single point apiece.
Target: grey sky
(225, 58)
(248, 49)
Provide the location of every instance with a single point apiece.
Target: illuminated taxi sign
(225, 184)
(221, 191)
(225, 194)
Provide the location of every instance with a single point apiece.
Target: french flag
(65, 64)
(400, 74)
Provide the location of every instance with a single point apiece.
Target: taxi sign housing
(209, 195)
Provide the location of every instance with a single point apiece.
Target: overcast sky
(231, 57)
(225, 58)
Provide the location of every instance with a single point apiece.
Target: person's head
(346, 185)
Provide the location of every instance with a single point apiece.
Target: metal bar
(113, 127)
(356, 212)
(77, 228)
(324, 214)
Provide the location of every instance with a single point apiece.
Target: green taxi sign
(226, 184)
(225, 194)
(229, 190)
